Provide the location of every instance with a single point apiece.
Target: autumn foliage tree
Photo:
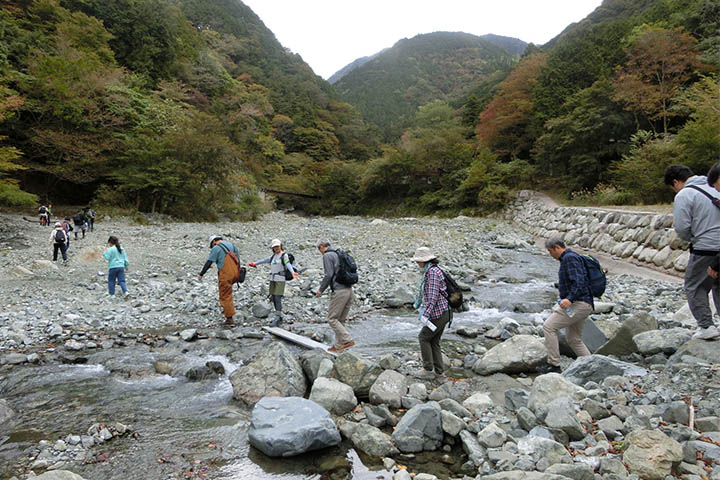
(503, 122)
(660, 62)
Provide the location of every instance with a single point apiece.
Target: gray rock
(561, 416)
(523, 475)
(451, 423)
(310, 361)
(611, 426)
(651, 454)
(162, 367)
(543, 448)
(189, 334)
(333, 395)
(14, 359)
(595, 368)
(622, 342)
(520, 353)
(372, 441)
(699, 349)
(709, 451)
(576, 471)
(592, 337)
(475, 452)
(284, 427)
(478, 403)
(6, 413)
(596, 409)
(390, 362)
(662, 341)
(420, 429)
(612, 466)
(516, 398)
(201, 373)
(58, 475)
(547, 388)
(43, 266)
(261, 310)
(676, 412)
(389, 388)
(357, 371)
(400, 297)
(274, 372)
(526, 418)
(704, 424)
(492, 436)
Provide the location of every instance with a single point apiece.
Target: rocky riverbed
(152, 387)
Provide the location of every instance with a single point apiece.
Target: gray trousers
(430, 344)
(340, 301)
(698, 285)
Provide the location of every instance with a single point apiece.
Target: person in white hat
(226, 256)
(59, 241)
(279, 264)
(434, 312)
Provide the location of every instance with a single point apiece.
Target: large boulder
(372, 441)
(357, 371)
(697, 349)
(43, 266)
(520, 353)
(547, 388)
(420, 429)
(477, 403)
(592, 337)
(59, 475)
(312, 362)
(651, 454)
(389, 388)
(595, 368)
(273, 373)
(662, 341)
(684, 316)
(561, 416)
(622, 342)
(288, 426)
(333, 395)
(539, 447)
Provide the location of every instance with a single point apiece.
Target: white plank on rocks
(298, 339)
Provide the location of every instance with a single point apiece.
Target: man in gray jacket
(340, 299)
(697, 220)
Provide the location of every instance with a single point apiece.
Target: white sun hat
(423, 254)
(275, 243)
(213, 238)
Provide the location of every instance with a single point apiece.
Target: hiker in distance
(59, 240)
(118, 264)
(281, 269)
(341, 296)
(697, 221)
(80, 225)
(434, 312)
(575, 305)
(226, 256)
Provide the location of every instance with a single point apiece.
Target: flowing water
(185, 429)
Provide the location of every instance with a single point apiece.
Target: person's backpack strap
(714, 200)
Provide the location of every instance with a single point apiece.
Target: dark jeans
(698, 284)
(277, 302)
(119, 275)
(430, 344)
(63, 248)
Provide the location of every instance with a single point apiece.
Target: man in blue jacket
(574, 306)
(696, 220)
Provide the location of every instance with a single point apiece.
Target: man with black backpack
(59, 241)
(696, 219)
(575, 305)
(79, 221)
(226, 256)
(340, 276)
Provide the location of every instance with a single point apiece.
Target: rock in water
(273, 373)
(651, 454)
(284, 427)
(520, 353)
(420, 429)
(333, 395)
(372, 441)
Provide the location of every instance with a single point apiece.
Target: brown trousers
(573, 331)
(226, 277)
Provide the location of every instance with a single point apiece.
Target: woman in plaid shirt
(434, 309)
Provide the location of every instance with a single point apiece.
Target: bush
(602, 195)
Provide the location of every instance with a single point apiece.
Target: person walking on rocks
(696, 220)
(67, 226)
(79, 221)
(575, 305)
(59, 241)
(90, 218)
(713, 179)
(279, 264)
(341, 297)
(118, 264)
(434, 312)
(226, 256)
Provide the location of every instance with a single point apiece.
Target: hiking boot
(425, 375)
(278, 320)
(707, 333)
(347, 345)
(229, 322)
(126, 295)
(547, 368)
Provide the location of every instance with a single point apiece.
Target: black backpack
(59, 235)
(454, 293)
(347, 269)
(288, 273)
(78, 218)
(596, 275)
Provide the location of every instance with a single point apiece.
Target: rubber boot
(278, 320)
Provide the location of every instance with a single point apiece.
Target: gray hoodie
(697, 220)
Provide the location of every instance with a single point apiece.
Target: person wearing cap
(57, 244)
(279, 262)
(220, 255)
(434, 311)
(340, 299)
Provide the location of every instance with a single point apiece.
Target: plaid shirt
(574, 283)
(435, 293)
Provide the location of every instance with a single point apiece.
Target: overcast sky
(329, 34)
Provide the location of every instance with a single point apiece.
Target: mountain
(389, 88)
(350, 67)
(513, 45)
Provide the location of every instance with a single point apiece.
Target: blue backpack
(596, 274)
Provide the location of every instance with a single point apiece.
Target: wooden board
(298, 339)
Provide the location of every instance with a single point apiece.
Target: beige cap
(423, 254)
(275, 243)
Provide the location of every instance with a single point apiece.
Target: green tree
(700, 137)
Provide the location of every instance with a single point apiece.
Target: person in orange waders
(226, 256)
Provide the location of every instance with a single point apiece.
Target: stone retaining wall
(647, 238)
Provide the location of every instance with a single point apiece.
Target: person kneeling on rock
(575, 305)
(435, 313)
(225, 255)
